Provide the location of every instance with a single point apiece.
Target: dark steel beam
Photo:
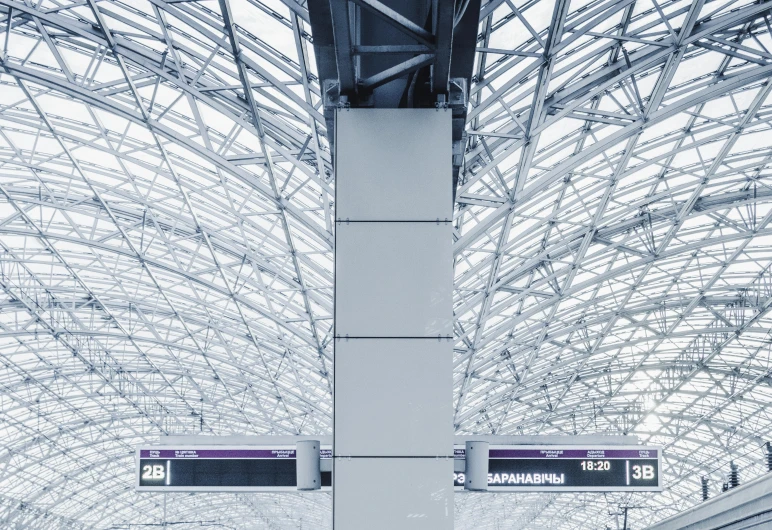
(443, 14)
(341, 30)
(397, 53)
(364, 45)
(397, 20)
(397, 71)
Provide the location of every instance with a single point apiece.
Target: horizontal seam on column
(435, 221)
(434, 457)
(445, 337)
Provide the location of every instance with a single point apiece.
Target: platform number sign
(155, 472)
(220, 468)
(643, 472)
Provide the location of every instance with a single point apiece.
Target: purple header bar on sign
(172, 454)
(217, 453)
(573, 453)
(545, 453)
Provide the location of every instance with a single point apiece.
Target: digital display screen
(549, 468)
(220, 469)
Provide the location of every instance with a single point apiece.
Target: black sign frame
(160, 480)
(529, 460)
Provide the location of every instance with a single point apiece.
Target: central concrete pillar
(393, 425)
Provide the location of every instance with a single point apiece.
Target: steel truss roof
(166, 246)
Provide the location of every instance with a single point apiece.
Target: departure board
(510, 468)
(220, 468)
(552, 468)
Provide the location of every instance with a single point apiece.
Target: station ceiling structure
(166, 247)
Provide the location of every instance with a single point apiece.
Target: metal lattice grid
(166, 217)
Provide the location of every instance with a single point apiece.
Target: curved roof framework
(166, 246)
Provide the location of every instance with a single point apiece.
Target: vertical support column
(393, 432)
